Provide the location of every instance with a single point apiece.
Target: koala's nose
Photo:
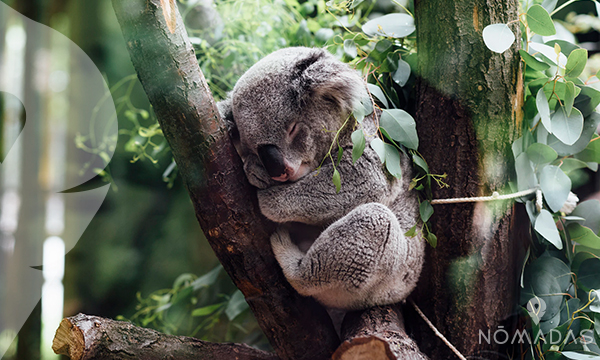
(272, 159)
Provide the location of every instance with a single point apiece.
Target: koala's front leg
(359, 261)
(313, 199)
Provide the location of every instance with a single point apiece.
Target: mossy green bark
(468, 115)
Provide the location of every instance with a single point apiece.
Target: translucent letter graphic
(58, 130)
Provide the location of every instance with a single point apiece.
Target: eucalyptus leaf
(576, 63)
(583, 235)
(590, 211)
(590, 124)
(591, 153)
(337, 181)
(425, 210)
(569, 98)
(417, 160)
(545, 226)
(526, 178)
(541, 103)
(579, 356)
(400, 126)
(555, 185)
(206, 310)
(207, 279)
(498, 37)
(548, 54)
(540, 280)
(570, 164)
(588, 274)
(392, 25)
(402, 73)
(539, 21)
(432, 240)
(392, 161)
(567, 128)
(565, 46)
(532, 62)
(358, 144)
(587, 100)
(378, 93)
(237, 304)
(379, 146)
(350, 48)
(549, 5)
(541, 154)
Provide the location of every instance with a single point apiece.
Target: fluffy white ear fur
(319, 74)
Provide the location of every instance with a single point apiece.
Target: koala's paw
(256, 173)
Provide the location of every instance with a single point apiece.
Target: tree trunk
(225, 203)
(468, 115)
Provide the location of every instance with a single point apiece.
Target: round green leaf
(576, 63)
(539, 21)
(358, 144)
(541, 154)
(555, 186)
(590, 211)
(567, 128)
(350, 48)
(545, 226)
(590, 124)
(402, 73)
(498, 37)
(526, 178)
(401, 127)
(392, 161)
(392, 25)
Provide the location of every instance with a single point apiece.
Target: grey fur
(361, 258)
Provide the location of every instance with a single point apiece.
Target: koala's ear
(319, 74)
(226, 111)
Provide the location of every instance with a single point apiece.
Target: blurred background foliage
(144, 257)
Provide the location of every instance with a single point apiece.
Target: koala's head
(284, 111)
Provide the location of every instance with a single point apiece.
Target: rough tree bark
(85, 337)
(296, 327)
(468, 102)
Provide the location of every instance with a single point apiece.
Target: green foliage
(194, 307)
(562, 268)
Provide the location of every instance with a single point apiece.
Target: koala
(283, 115)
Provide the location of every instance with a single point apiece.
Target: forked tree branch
(225, 203)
